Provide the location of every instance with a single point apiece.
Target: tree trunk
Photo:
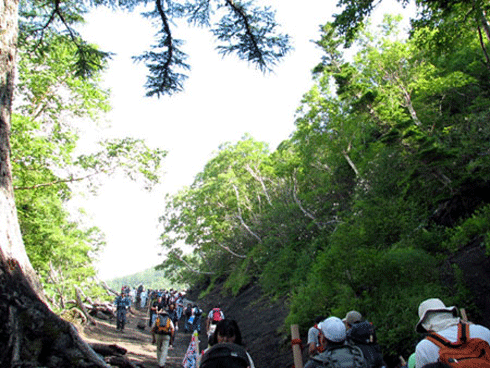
(31, 335)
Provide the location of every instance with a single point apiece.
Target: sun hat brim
(430, 306)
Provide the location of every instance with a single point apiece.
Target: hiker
(172, 313)
(315, 343)
(189, 319)
(143, 296)
(139, 290)
(179, 303)
(122, 304)
(337, 352)
(226, 348)
(443, 326)
(197, 314)
(162, 334)
(156, 306)
(214, 316)
(351, 318)
(362, 334)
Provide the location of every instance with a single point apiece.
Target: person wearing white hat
(434, 316)
(334, 332)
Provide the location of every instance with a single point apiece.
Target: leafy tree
(44, 137)
(431, 13)
(217, 215)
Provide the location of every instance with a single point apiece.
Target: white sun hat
(432, 305)
(333, 329)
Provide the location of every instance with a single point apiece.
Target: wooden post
(297, 354)
(464, 317)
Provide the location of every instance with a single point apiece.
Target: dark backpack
(162, 325)
(465, 352)
(363, 335)
(225, 355)
(341, 356)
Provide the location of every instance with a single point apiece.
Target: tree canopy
(385, 174)
(239, 27)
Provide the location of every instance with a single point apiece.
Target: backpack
(162, 325)
(363, 335)
(321, 347)
(120, 303)
(225, 355)
(341, 356)
(465, 352)
(216, 315)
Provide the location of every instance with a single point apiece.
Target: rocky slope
(260, 321)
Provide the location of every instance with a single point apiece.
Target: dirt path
(137, 342)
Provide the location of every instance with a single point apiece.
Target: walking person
(172, 313)
(445, 328)
(163, 331)
(122, 304)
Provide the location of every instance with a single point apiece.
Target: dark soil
(260, 321)
(140, 351)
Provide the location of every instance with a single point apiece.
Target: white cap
(333, 329)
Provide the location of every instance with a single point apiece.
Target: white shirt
(427, 352)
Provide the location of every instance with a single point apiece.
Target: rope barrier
(297, 342)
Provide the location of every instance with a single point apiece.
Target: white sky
(223, 99)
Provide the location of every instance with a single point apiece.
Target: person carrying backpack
(315, 335)
(214, 316)
(362, 334)
(338, 353)
(226, 348)
(122, 304)
(450, 341)
(189, 320)
(197, 314)
(163, 331)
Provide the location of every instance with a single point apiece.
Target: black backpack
(341, 356)
(363, 335)
(225, 355)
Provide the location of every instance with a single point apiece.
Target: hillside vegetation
(150, 279)
(385, 177)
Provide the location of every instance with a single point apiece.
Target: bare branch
(80, 304)
(60, 181)
(351, 163)
(230, 251)
(261, 181)
(239, 216)
(189, 267)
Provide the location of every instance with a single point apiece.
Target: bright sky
(223, 99)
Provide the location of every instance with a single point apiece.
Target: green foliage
(384, 177)
(52, 99)
(476, 227)
(238, 278)
(150, 279)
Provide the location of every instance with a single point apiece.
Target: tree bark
(31, 335)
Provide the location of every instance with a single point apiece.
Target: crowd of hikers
(448, 340)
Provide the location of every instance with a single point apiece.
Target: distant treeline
(150, 279)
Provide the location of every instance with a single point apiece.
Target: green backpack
(341, 356)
